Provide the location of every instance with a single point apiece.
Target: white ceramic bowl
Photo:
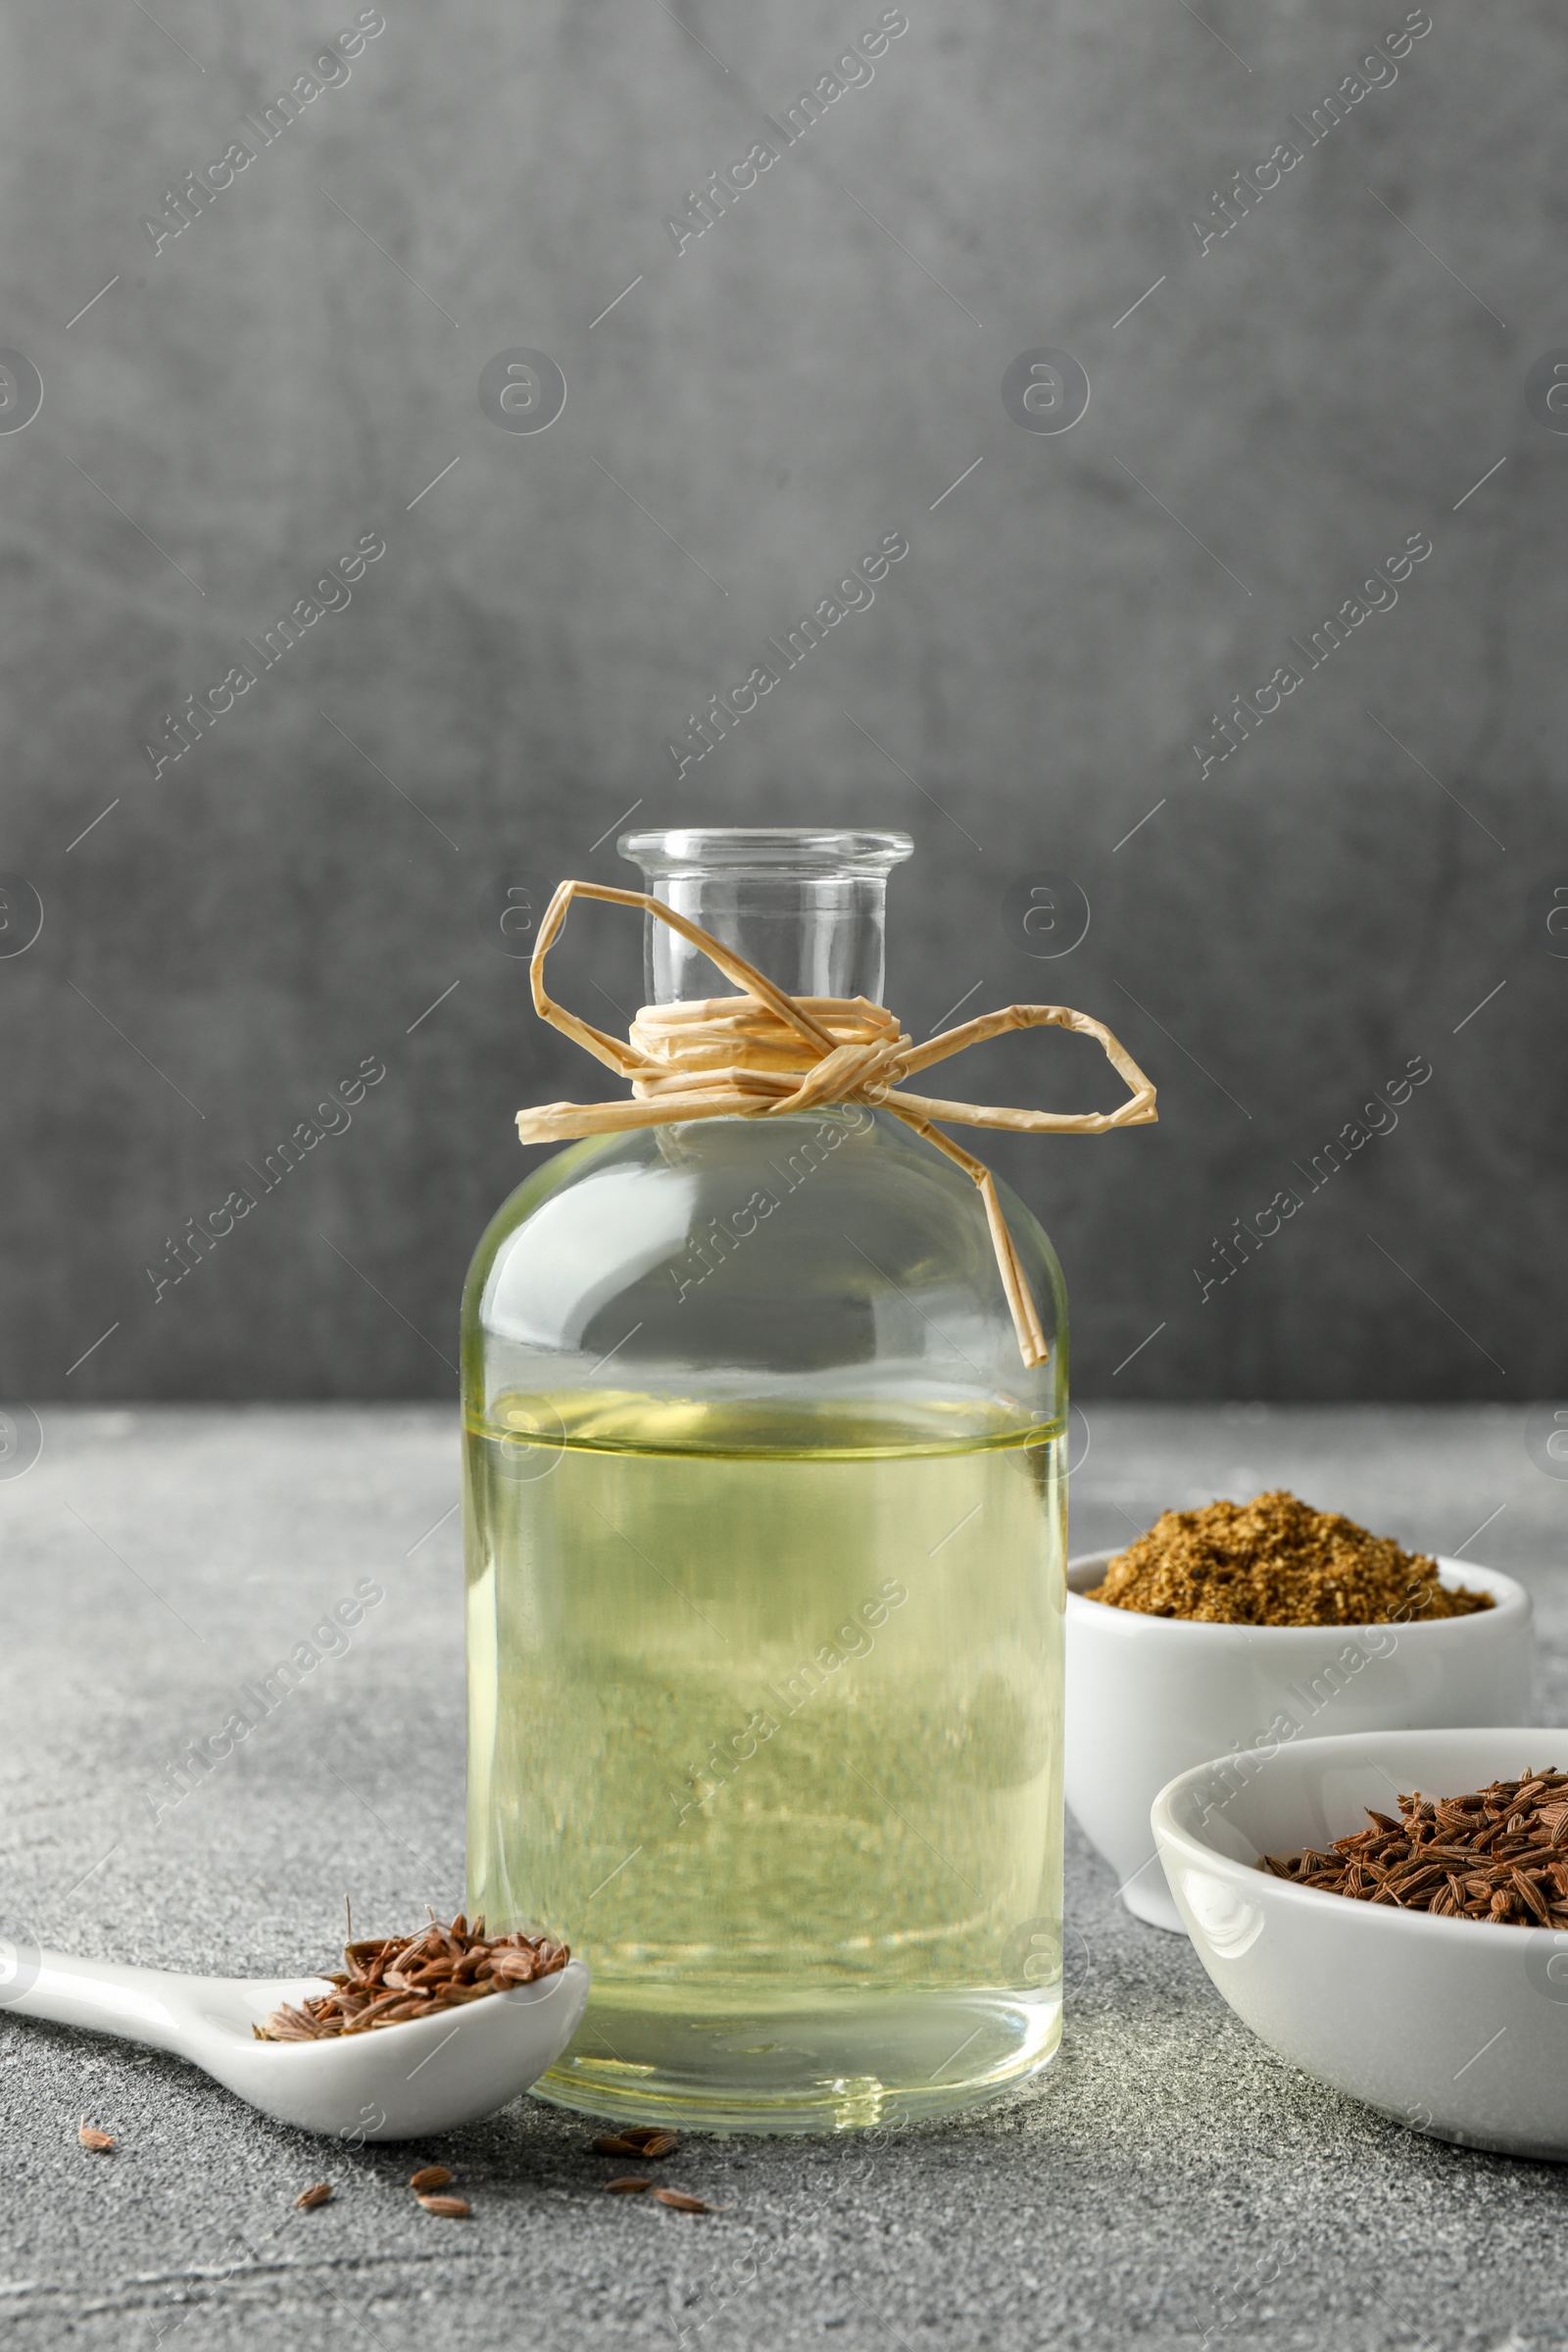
(1148, 1696)
(1452, 2026)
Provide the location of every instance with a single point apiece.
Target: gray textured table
(1169, 2182)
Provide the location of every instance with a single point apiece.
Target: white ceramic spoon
(400, 2081)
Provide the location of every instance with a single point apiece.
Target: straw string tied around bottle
(769, 1055)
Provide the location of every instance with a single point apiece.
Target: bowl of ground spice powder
(1438, 1992)
(1244, 1627)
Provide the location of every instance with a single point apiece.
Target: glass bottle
(766, 1533)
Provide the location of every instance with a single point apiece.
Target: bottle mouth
(779, 853)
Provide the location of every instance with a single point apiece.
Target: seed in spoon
(429, 2177)
(455, 2209)
(320, 2192)
(91, 2137)
(396, 1979)
(630, 2184)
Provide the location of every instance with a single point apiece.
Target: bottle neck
(815, 939)
(806, 910)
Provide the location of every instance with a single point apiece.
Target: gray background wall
(1281, 411)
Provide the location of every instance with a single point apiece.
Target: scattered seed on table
(455, 2209)
(638, 2139)
(429, 2177)
(91, 2137)
(319, 2193)
(630, 2184)
(680, 2201)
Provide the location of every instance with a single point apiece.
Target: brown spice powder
(1276, 1562)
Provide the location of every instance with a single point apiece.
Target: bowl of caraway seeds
(1248, 1626)
(1389, 1911)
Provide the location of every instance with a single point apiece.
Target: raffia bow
(769, 1055)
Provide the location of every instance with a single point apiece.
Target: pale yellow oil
(775, 1740)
